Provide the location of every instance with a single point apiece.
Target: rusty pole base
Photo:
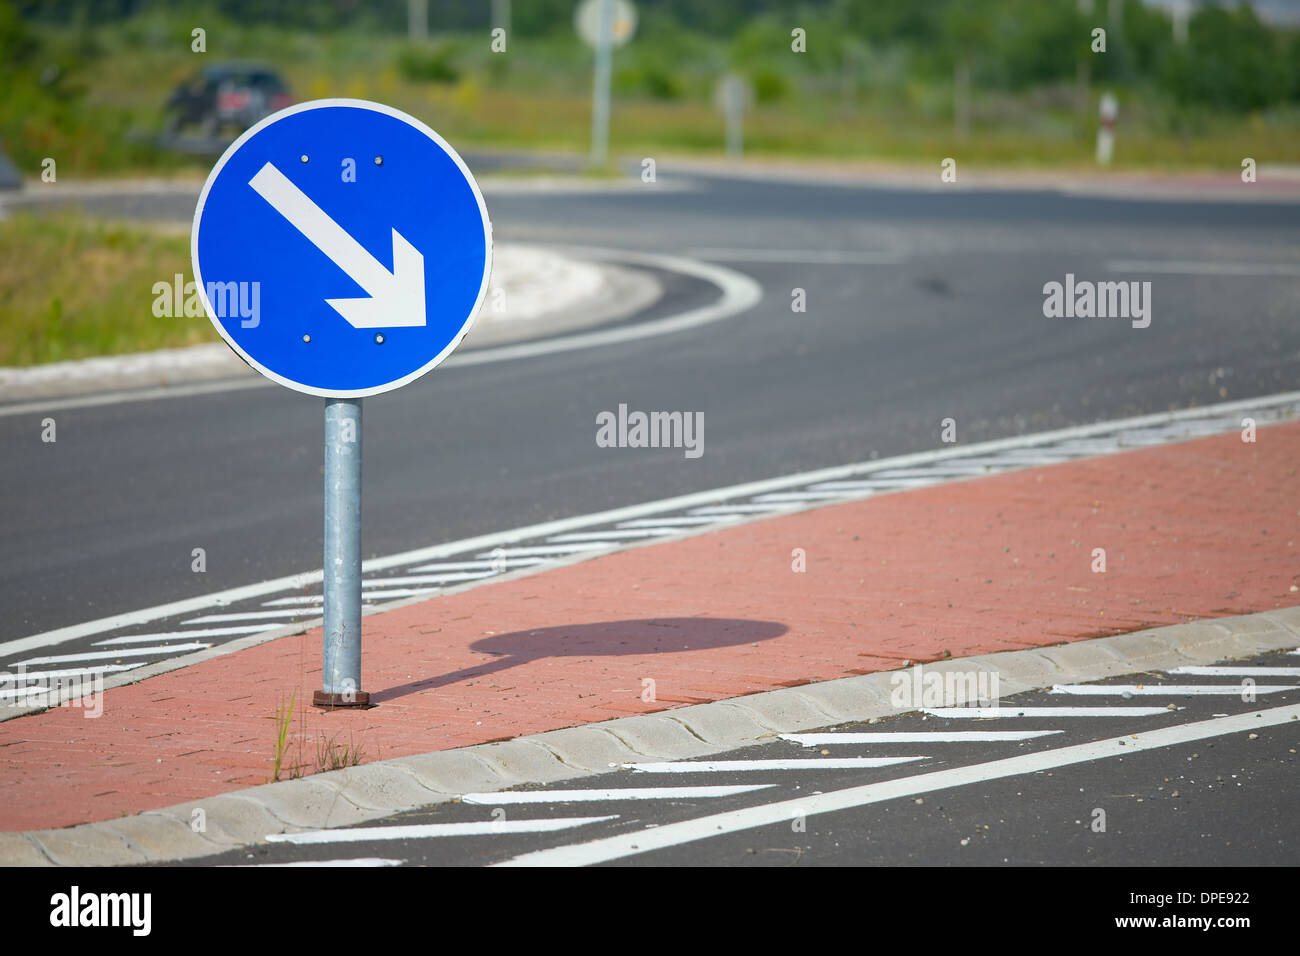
(330, 701)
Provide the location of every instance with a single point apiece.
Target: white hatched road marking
(478, 565)
(361, 861)
(546, 549)
(426, 830)
(625, 534)
(1164, 690)
(625, 793)
(802, 763)
(800, 256)
(6, 676)
(687, 831)
(916, 737)
(175, 635)
(1208, 268)
(989, 713)
(245, 616)
(671, 521)
(113, 655)
(450, 577)
(1233, 671)
(1019, 451)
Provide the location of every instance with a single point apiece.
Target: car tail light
(281, 100)
(233, 101)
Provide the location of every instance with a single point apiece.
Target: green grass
(73, 287)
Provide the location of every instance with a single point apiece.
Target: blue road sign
(341, 247)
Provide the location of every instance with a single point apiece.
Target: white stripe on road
(450, 578)
(366, 596)
(361, 861)
(476, 565)
(802, 763)
(988, 713)
(687, 831)
(121, 652)
(669, 522)
(872, 484)
(726, 510)
(916, 737)
(798, 256)
(1204, 268)
(546, 549)
(1231, 671)
(7, 676)
(175, 635)
(1164, 690)
(423, 831)
(244, 616)
(592, 796)
(625, 534)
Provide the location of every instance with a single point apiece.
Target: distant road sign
(341, 247)
(622, 23)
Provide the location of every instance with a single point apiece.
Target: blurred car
(225, 97)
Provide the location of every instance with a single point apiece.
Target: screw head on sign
(379, 338)
(303, 157)
(379, 160)
(306, 338)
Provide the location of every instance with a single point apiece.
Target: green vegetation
(876, 82)
(72, 287)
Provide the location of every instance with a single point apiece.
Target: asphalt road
(1210, 801)
(933, 310)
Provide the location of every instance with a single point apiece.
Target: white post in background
(1109, 112)
(600, 89)
(417, 20)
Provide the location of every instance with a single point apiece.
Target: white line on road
(549, 549)
(687, 831)
(505, 797)
(1164, 690)
(120, 652)
(361, 861)
(684, 520)
(989, 713)
(801, 763)
(477, 565)
(1206, 268)
(424, 831)
(245, 616)
(798, 256)
(916, 737)
(175, 635)
(624, 534)
(1232, 671)
(449, 578)
(7, 676)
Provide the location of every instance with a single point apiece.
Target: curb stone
(372, 791)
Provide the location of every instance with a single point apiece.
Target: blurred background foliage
(84, 80)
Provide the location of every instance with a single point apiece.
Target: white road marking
(870, 484)
(244, 616)
(593, 796)
(1204, 268)
(181, 635)
(120, 652)
(552, 549)
(1163, 690)
(700, 828)
(988, 713)
(477, 565)
(798, 256)
(7, 676)
(367, 597)
(802, 763)
(625, 534)
(916, 737)
(450, 577)
(361, 861)
(685, 520)
(1224, 417)
(423, 831)
(1233, 671)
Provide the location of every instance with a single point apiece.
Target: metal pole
(600, 92)
(342, 585)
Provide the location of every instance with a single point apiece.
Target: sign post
(342, 249)
(603, 24)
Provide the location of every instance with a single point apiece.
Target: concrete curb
(371, 791)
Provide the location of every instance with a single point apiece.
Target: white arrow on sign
(396, 298)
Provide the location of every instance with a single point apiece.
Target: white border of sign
(377, 108)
